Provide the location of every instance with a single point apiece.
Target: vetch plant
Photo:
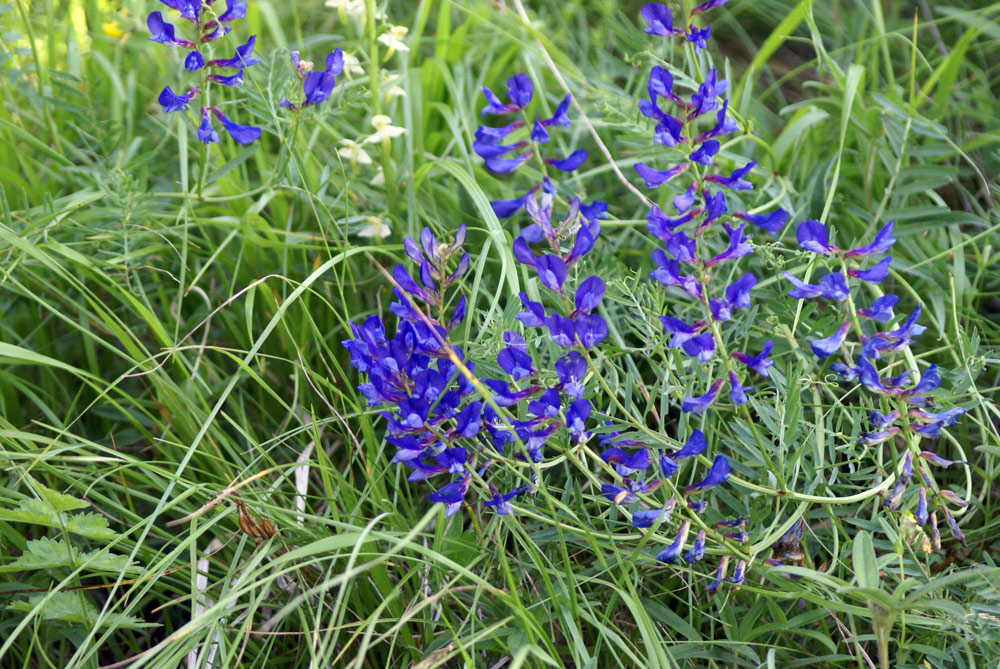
(206, 26)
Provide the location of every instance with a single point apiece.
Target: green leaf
(44, 553)
(90, 525)
(865, 567)
(32, 511)
(58, 500)
(73, 607)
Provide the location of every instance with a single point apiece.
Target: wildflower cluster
(905, 404)
(446, 420)
(208, 24)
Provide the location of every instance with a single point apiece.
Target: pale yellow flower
(348, 7)
(352, 65)
(376, 228)
(378, 179)
(394, 38)
(353, 152)
(383, 129)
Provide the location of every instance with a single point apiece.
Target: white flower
(352, 65)
(383, 129)
(378, 179)
(376, 228)
(395, 92)
(353, 152)
(348, 7)
(394, 38)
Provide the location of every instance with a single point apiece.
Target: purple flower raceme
(506, 148)
(204, 29)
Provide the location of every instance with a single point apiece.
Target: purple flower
(576, 416)
(737, 297)
(698, 37)
(591, 330)
(499, 502)
(720, 574)
(718, 474)
(695, 445)
(231, 81)
(193, 62)
(570, 162)
(697, 551)
(883, 242)
(452, 495)
(206, 133)
(704, 100)
(515, 362)
(589, 294)
(881, 309)
(813, 236)
(759, 363)
(507, 208)
(723, 125)
(534, 316)
(656, 178)
(681, 331)
(824, 348)
(235, 9)
(242, 134)
(705, 6)
(538, 133)
(172, 102)
(570, 369)
(242, 58)
(519, 92)
(734, 181)
(771, 223)
(715, 206)
(559, 117)
(626, 464)
(832, 286)
(668, 131)
(703, 154)
(737, 391)
(684, 201)
(875, 273)
(660, 20)
(163, 32)
(921, 513)
(696, 405)
(649, 517)
(738, 246)
(662, 226)
(618, 495)
(551, 272)
(669, 554)
(659, 85)
(669, 275)
(936, 459)
(505, 165)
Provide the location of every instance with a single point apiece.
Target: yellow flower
(113, 29)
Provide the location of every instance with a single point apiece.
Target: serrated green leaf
(33, 511)
(57, 500)
(44, 553)
(72, 607)
(90, 525)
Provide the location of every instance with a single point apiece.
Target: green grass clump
(190, 476)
